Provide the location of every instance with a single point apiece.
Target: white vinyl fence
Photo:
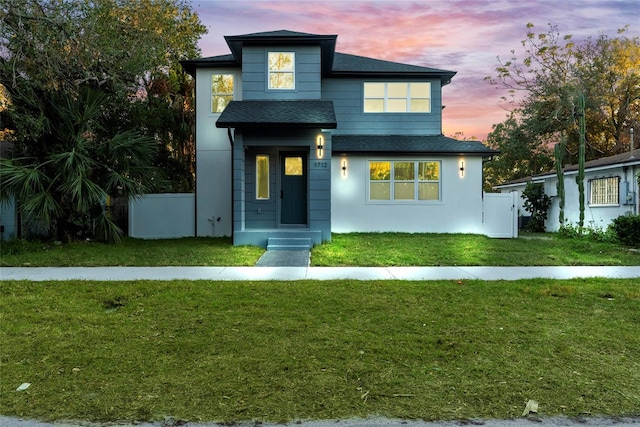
(162, 216)
(500, 216)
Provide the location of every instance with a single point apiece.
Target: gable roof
(264, 113)
(333, 63)
(628, 158)
(410, 144)
(354, 65)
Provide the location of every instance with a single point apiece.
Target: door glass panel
(293, 166)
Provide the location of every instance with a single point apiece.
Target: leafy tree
(124, 48)
(62, 64)
(65, 186)
(523, 153)
(544, 84)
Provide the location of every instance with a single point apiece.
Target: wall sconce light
(344, 167)
(320, 146)
(461, 168)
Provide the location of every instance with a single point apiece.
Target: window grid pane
(605, 191)
(221, 91)
(397, 97)
(281, 70)
(404, 181)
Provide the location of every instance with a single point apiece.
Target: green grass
(131, 252)
(366, 249)
(280, 351)
(394, 249)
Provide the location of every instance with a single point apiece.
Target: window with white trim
(397, 97)
(605, 191)
(405, 180)
(221, 91)
(282, 70)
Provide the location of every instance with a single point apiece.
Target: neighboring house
(610, 190)
(295, 139)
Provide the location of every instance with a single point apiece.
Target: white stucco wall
(458, 211)
(213, 160)
(594, 216)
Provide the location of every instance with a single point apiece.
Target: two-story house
(294, 139)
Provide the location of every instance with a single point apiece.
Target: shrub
(538, 203)
(627, 229)
(594, 233)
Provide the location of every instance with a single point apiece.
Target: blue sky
(465, 36)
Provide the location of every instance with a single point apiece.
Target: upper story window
(282, 68)
(221, 91)
(404, 181)
(605, 191)
(401, 97)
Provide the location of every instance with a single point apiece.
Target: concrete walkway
(312, 273)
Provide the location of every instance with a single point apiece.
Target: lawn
(366, 249)
(280, 351)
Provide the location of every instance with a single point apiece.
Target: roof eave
(247, 125)
(445, 79)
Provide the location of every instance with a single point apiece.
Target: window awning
(297, 114)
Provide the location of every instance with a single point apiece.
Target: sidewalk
(313, 273)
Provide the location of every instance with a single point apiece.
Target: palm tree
(63, 177)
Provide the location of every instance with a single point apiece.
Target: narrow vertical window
(282, 70)
(262, 177)
(428, 180)
(221, 91)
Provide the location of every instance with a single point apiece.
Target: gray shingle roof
(333, 63)
(627, 158)
(345, 64)
(299, 113)
(416, 144)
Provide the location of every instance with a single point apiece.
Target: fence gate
(500, 214)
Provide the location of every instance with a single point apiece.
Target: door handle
(281, 194)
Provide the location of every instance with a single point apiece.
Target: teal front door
(293, 189)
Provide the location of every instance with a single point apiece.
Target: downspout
(230, 135)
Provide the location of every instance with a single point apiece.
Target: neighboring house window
(380, 97)
(262, 177)
(605, 191)
(282, 70)
(404, 180)
(221, 91)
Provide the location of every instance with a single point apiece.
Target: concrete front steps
(289, 243)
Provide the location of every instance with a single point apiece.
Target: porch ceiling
(267, 113)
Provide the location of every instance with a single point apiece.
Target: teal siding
(347, 96)
(252, 214)
(307, 72)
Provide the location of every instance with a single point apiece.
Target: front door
(293, 189)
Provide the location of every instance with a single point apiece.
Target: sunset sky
(466, 36)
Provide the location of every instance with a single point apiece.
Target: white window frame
(292, 71)
(387, 97)
(416, 182)
(221, 94)
(610, 186)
